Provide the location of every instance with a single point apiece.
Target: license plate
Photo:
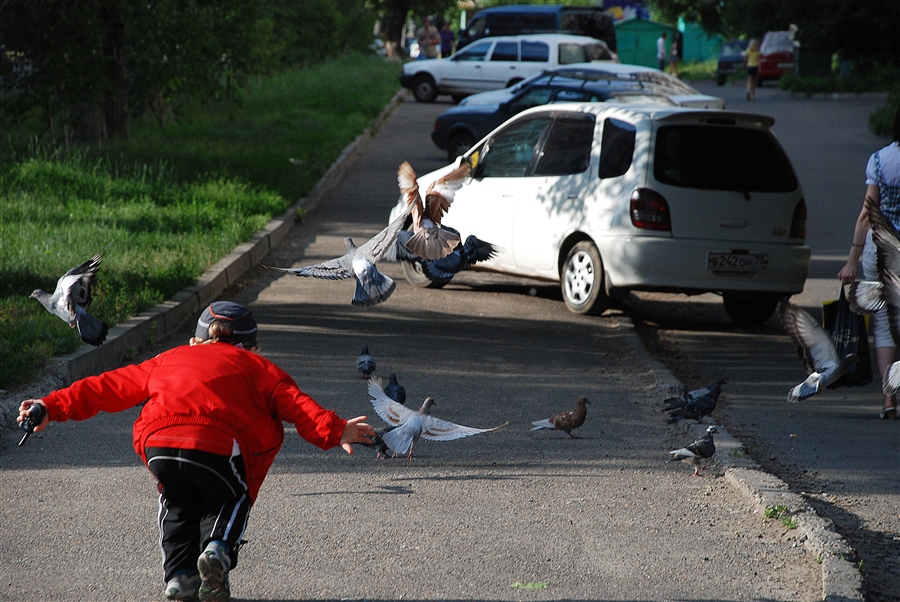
(741, 262)
(785, 65)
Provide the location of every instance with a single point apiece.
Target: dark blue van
(522, 19)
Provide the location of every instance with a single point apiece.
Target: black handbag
(850, 335)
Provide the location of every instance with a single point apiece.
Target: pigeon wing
(389, 410)
(436, 429)
(441, 192)
(885, 237)
(814, 345)
(377, 246)
(865, 296)
(333, 269)
(891, 295)
(409, 187)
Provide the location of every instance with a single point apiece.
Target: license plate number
(737, 261)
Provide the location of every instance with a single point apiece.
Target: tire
(750, 309)
(459, 144)
(582, 280)
(412, 271)
(424, 89)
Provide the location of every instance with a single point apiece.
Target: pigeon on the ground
(372, 287)
(698, 407)
(71, 298)
(394, 389)
(365, 363)
(463, 256)
(816, 350)
(429, 239)
(698, 452)
(565, 421)
(681, 400)
(412, 425)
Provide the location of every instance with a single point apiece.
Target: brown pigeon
(429, 239)
(566, 421)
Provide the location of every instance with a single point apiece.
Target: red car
(776, 55)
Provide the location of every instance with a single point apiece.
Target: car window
(598, 51)
(722, 158)
(732, 48)
(570, 53)
(567, 149)
(473, 52)
(616, 147)
(536, 96)
(776, 41)
(535, 51)
(477, 26)
(509, 153)
(574, 96)
(532, 23)
(505, 51)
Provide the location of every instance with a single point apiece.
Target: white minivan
(494, 63)
(606, 199)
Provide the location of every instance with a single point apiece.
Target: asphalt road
(511, 515)
(833, 448)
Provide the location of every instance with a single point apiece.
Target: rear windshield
(776, 41)
(722, 158)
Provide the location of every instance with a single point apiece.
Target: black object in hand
(36, 414)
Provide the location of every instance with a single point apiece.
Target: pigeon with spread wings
(413, 425)
(372, 287)
(429, 239)
(72, 296)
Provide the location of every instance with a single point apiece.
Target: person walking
(883, 187)
(674, 55)
(209, 430)
(751, 59)
(428, 38)
(661, 52)
(447, 40)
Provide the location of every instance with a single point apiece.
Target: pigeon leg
(409, 456)
(571, 436)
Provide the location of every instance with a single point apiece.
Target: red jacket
(239, 394)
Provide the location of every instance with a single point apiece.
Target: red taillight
(798, 222)
(649, 210)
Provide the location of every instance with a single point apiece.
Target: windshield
(776, 41)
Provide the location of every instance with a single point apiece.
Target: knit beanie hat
(241, 320)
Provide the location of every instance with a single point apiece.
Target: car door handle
(733, 223)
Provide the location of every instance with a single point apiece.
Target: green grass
(174, 199)
(782, 514)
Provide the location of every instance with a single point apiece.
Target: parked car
(731, 59)
(458, 128)
(521, 19)
(776, 56)
(494, 63)
(652, 79)
(606, 199)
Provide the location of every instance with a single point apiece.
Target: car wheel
(412, 271)
(750, 309)
(424, 89)
(459, 144)
(582, 280)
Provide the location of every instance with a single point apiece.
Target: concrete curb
(165, 319)
(841, 580)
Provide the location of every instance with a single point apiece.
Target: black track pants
(202, 497)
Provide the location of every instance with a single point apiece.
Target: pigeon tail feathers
(433, 243)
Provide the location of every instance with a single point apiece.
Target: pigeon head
(712, 429)
(427, 405)
(583, 401)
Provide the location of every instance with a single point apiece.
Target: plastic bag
(850, 335)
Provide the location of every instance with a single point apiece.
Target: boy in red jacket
(209, 431)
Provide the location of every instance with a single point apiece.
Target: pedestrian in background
(447, 40)
(674, 55)
(661, 52)
(883, 187)
(209, 431)
(751, 60)
(428, 38)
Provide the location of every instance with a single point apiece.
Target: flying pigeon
(698, 407)
(411, 424)
(816, 350)
(395, 391)
(890, 384)
(681, 400)
(698, 452)
(372, 287)
(365, 363)
(71, 298)
(867, 296)
(463, 256)
(429, 239)
(565, 421)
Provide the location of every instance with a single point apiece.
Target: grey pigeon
(698, 407)
(816, 350)
(71, 298)
(681, 400)
(698, 452)
(365, 363)
(565, 421)
(395, 391)
(372, 287)
(429, 239)
(413, 425)
(465, 255)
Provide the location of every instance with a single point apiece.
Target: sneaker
(183, 587)
(214, 564)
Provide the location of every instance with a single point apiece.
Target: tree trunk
(116, 100)
(396, 16)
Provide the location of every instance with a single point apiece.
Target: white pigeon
(372, 287)
(429, 239)
(71, 298)
(412, 424)
(698, 452)
(816, 350)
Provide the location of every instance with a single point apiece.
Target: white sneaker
(214, 564)
(183, 587)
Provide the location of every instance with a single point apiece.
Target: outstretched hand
(356, 431)
(23, 413)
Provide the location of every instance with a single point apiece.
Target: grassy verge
(175, 199)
